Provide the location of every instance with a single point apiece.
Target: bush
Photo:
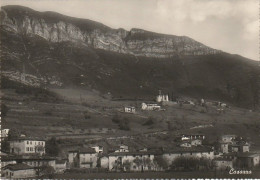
(124, 124)
(161, 162)
(4, 110)
(150, 121)
(116, 119)
(190, 163)
(86, 115)
(52, 147)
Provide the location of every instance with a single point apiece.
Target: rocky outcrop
(136, 41)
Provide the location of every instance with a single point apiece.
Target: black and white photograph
(130, 89)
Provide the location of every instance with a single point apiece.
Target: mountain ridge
(56, 27)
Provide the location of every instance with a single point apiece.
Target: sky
(228, 25)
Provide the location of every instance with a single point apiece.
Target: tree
(190, 163)
(45, 170)
(127, 165)
(124, 124)
(161, 162)
(5, 145)
(150, 121)
(4, 110)
(52, 147)
(116, 118)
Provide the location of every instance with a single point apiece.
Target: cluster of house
(122, 159)
(27, 159)
(189, 146)
(27, 156)
(234, 152)
(149, 106)
(163, 99)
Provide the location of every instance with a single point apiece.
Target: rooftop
(133, 153)
(247, 154)
(189, 149)
(60, 161)
(222, 159)
(27, 138)
(16, 167)
(28, 158)
(84, 151)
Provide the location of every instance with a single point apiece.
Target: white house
(83, 158)
(162, 98)
(122, 148)
(88, 158)
(228, 138)
(191, 142)
(185, 144)
(60, 166)
(224, 147)
(98, 149)
(73, 157)
(150, 107)
(27, 146)
(104, 162)
(129, 109)
(192, 136)
(4, 133)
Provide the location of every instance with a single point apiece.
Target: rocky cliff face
(58, 28)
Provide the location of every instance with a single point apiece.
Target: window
(191, 153)
(39, 143)
(30, 142)
(27, 149)
(27, 142)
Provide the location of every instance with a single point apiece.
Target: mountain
(47, 49)
(58, 28)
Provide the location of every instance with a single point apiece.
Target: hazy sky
(228, 25)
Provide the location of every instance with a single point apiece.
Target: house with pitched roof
(20, 170)
(83, 158)
(24, 145)
(248, 160)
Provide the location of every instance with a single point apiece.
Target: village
(23, 156)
